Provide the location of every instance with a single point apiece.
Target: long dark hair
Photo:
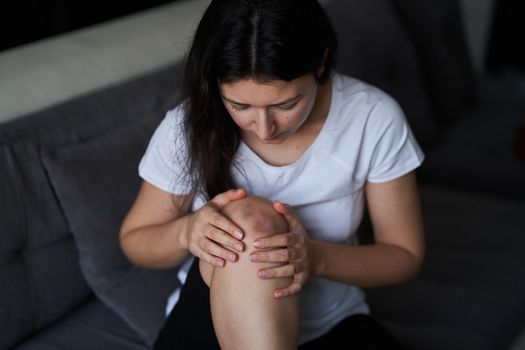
(238, 39)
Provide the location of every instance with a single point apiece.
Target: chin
(271, 141)
(275, 140)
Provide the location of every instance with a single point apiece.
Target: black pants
(189, 325)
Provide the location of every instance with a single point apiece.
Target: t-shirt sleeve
(395, 151)
(163, 163)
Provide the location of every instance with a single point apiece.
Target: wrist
(183, 231)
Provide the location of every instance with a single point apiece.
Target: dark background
(507, 40)
(24, 21)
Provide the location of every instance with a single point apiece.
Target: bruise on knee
(257, 218)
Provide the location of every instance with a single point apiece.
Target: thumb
(289, 215)
(224, 198)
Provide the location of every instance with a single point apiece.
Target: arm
(159, 230)
(150, 233)
(397, 255)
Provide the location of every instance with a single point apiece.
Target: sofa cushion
(35, 235)
(446, 337)
(91, 325)
(436, 30)
(374, 47)
(480, 146)
(471, 286)
(96, 182)
(39, 279)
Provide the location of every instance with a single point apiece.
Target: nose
(265, 125)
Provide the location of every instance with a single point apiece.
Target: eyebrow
(293, 99)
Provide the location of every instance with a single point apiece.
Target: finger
(273, 241)
(224, 198)
(288, 213)
(292, 289)
(288, 270)
(218, 220)
(224, 239)
(217, 251)
(210, 259)
(279, 255)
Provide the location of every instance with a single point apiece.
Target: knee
(256, 217)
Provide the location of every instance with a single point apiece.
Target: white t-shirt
(364, 138)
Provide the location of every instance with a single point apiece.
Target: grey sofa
(69, 174)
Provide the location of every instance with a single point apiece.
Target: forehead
(256, 93)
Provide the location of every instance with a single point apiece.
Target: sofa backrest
(39, 271)
(374, 47)
(436, 30)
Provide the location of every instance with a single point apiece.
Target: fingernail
(237, 234)
(232, 258)
(278, 294)
(263, 273)
(258, 244)
(239, 247)
(253, 257)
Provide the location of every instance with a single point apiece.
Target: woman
(263, 113)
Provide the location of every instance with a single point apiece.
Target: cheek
(242, 121)
(298, 118)
(295, 120)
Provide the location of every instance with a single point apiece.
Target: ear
(320, 70)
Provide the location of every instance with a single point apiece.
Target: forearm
(157, 246)
(366, 266)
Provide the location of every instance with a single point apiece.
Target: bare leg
(245, 314)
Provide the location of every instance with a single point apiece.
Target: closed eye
(238, 107)
(288, 107)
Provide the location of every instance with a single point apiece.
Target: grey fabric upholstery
(39, 271)
(480, 148)
(374, 47)
(39, 275)
(96, 182)
(92, 325)
(435, 27)
(469, 295)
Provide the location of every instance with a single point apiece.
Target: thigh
(189, 325)
(355, 332)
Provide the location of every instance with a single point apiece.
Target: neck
(322, 103)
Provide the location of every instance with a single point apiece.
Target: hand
(295, 248)
(210, 235)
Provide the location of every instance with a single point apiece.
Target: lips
(274, 139)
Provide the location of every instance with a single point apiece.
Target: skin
(159, 232)
(258, 321)
(280, 137)
(278, 120)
